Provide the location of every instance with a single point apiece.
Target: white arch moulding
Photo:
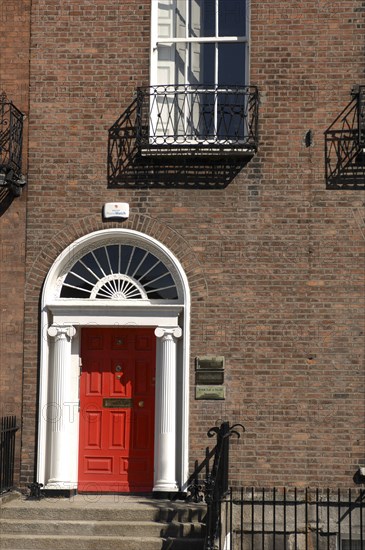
(118, 298)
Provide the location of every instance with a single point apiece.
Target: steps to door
(108, 522)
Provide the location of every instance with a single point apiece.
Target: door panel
(117, 430)
(117, 410)
(93, 430)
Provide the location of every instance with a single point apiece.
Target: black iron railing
(361, 114)
(344, 145)
(11, 139)
(183, 136)
(215, 487)
(221, 119)
(8, 428)
(289, 519)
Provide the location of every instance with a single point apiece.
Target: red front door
(117, 395)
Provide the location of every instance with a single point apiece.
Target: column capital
(168, 333)
(61, 332)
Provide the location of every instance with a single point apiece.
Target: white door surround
(62, 319)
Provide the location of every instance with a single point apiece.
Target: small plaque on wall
(209, 362)
(210, 392)
(209, 377)
(116, 210)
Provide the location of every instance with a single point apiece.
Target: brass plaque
(209, 377)
(117, 403)
(210, 392)
(209, 362)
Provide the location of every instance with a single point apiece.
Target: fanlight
(119, 272)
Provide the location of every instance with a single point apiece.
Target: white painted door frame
(61, 321)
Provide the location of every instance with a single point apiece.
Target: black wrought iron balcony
(345, 145)
(11, 138)
(361, 114)
(183, 120)
(183, 136)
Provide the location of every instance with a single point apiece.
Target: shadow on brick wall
(127, 167)
(6, 198)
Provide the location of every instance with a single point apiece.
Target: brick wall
(14, 81)
(278, 261)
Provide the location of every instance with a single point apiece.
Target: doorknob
(141, 404)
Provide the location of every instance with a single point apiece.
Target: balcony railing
(177, 120)
(11, 138)
(361, 114)
(345, 145)
(183, 136)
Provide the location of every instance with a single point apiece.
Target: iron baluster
(9, 428)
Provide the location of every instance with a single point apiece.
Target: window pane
(231, 64)
(165, 19)
(201, 64)
(180, 19)
(171, 18)
(171, 64)
(232, 18)
(180, 61)
(202, 18)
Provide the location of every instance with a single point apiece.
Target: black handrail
(217, 483)
(215, 487)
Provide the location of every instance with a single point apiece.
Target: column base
(60, 486)
(59, 493)
(165, 487)
(167, 495)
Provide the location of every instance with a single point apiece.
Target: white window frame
(156, 41)
(187, 40)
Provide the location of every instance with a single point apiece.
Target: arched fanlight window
(119, 272)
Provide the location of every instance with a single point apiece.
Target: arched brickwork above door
(51, 248)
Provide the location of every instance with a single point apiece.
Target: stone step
(53, 512)
(63, 542)
(101, 528)
(46, 542)
(183, 544)
(108, 522)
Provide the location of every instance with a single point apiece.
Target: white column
(58, 408)
(165, 416)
